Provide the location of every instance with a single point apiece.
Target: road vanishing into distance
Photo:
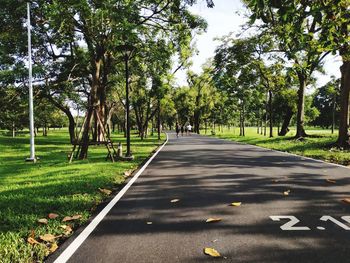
(289, 211)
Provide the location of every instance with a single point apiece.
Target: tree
(298, 38)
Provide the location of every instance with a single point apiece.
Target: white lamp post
(32, 157)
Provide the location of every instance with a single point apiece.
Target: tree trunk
(285, 124)
(270, 113)
(243, 118)
(93, 103)
(69, 115)
(333, 113)
(300, 133)
(343, 136)
(196, 118)
(85, 138)
(13, 130)
(158, 120)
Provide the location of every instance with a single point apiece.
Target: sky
(226, 17)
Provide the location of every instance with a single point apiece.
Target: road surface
(208, 174)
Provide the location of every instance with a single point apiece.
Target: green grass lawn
(30, 191)
(318, 145)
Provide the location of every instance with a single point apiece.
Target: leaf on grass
(286, 192)
(53, 216)
(32, 241)
(71, 218)
(331, 181)
(48, 237)
(43, 221)
(53, 247)
(346, 201)
(67, 229)
(174, 200)
(105, 191)
(211, 252)
(236, 204)
(213, 220)
(127, 173)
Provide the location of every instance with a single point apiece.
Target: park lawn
(30, 191)
(319, 145)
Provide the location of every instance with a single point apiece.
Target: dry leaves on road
(286, 192)
(213, 220)
(331, 181)
(105, 191)
(346, 201)
(71, 218)
(211, 252)
(43, 221)
(236, 204)
(52, 215)
(174, 200)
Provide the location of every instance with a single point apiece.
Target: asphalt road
(208, 174)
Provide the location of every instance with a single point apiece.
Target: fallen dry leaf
(71, 218)
(32, 241)
(43, 221)
(346, 200)
(331, 181)
(286, 192)
(105, 191)
(213, 220)
(67, 229)
(53, 247)
(275, 181)
(48, 237)
(211, 252)
(236, 204)
(174, 200)
(149, 223)
(53, 216)
(127, 173)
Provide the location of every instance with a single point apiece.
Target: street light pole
(32, 157)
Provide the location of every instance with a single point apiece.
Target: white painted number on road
(291, 224)
(335, 221)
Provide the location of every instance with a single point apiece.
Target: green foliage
(31, 191)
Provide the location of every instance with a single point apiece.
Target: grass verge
(318, 145)
(29, 192)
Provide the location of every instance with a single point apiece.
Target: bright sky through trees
(227, 16)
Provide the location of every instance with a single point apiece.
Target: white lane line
(69, 251)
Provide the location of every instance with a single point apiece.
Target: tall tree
(298, 38)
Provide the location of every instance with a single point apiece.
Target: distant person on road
(189, 129)
(177, 130)
(186, 130)
(182, 130)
